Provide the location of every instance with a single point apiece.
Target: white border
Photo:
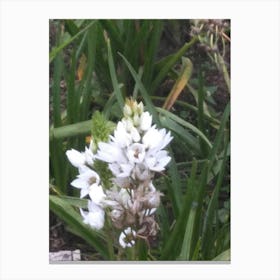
(24, 138)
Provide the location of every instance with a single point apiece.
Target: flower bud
(140, 108)
(136, 120)
(127, 110)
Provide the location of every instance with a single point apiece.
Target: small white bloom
(85, 180)
(96, 194)
(109, 152)
(124, 198)
(145, 121)
(166, 138)
(89, 157)
(124, 182)
(135, 134)
(141, 172)
(94, 217)
(121, 137)
(122, 170)
(156, 139)
(152, 138)
(136, 153)
(157, 161)
(116, 214)
(76, 158)
(127, 238)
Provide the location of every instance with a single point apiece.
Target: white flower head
(127, 238)
(94, 217)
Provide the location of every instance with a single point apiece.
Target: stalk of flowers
(134, 153)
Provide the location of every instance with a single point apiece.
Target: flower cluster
(134, 153)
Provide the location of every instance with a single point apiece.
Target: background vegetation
(180, 69)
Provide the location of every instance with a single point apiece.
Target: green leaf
(185, 124)
(167, 64)
(65, 211)
(182, 80)
(224, 256)
(71, 130)
(207, 231)
(172, 248)
(189, 139)
(174, 185)
(114, 76)
(144, 92)
(56, 50)
(74, 201)
(219, 135)
(187, 242)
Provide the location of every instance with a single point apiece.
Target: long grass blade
(187, 242)
(56, 50)
(144, 92)
(207, 231)
(185, 124)
(169, 63)
(71, 130)
(114, 76)
(180, 83)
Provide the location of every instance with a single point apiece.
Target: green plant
(101, 63)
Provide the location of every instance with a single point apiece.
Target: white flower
(76, 158)
(124, 182)
(131, 130)
(85, 180)
(152, 138)
(127, 237)
(79, 160)
(122, 170)
(89, 157)
(116, 214)
(141, 172)
(157, 161)
(136, 153)
(166, 138)
(109, 152)
(135, 134)
(156, 139)
(121, 137)
(145, 121)
(124, 198)
(94, 217)
(97, 194)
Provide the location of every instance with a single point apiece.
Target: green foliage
(101, 63)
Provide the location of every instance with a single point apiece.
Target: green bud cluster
(100, 130)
